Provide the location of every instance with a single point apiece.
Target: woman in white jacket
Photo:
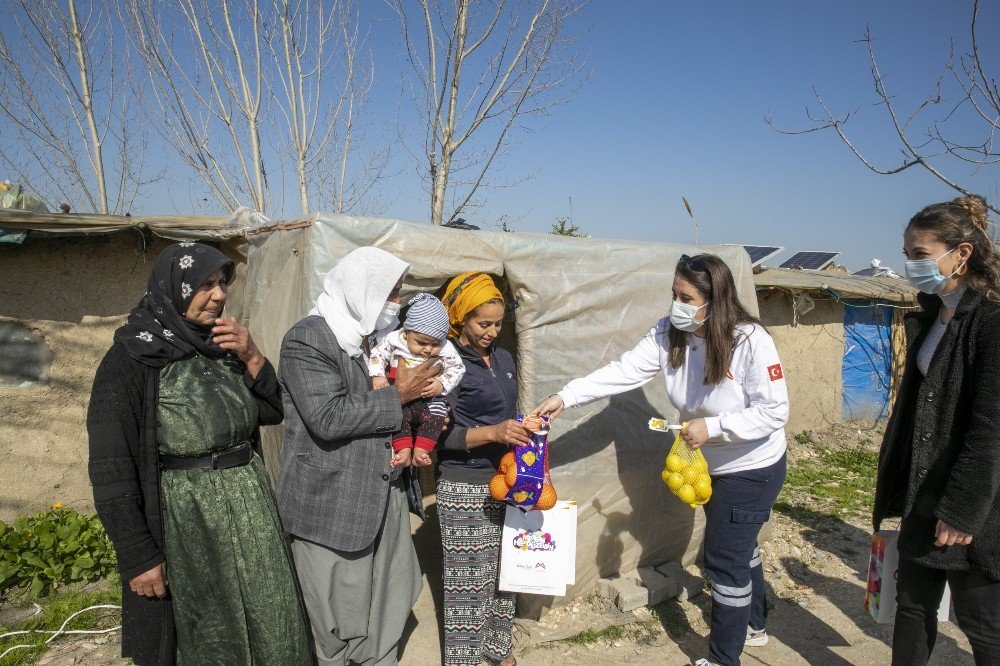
(723, 375)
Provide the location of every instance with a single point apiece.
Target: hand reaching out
(551, 407)
(380, 382)
(510, 432)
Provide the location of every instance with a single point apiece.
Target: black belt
(235, 457)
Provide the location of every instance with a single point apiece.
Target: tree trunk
(300, 166)
(438, 189)
(97, 153)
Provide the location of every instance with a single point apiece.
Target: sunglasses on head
(693, 264)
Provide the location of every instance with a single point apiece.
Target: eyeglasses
(693, 264)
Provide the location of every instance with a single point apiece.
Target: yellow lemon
(687, 494)
(674, 480)
(690, 475)
(703, 487)
(675, 463)
(700, 464)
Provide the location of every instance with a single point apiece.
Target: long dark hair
(965, 220)
(714, 281)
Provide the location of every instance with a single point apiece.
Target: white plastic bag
(538, 551)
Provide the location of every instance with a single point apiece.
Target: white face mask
(387, 317)
(682, 316)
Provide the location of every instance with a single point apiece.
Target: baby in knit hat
(424, 335)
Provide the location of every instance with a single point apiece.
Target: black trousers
(919, 589)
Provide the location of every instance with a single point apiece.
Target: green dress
(234, 592)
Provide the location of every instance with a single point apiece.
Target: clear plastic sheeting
(15, 197)
(867, 369)
(580, 303)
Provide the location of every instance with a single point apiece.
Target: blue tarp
(867, 365)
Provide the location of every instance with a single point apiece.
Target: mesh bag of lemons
(685, 471)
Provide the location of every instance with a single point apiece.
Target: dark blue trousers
(741, 502)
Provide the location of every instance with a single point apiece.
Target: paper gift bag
(880, 595)
(538, 552)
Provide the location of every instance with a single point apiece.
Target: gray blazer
(334, 482)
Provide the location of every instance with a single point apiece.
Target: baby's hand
(433, 388)
(380, 382)
(421, 458)
(401, 458)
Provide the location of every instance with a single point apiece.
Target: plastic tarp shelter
(867, 369)
(14, 197)
(580, 303)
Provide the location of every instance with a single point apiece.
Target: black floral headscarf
(157, 332)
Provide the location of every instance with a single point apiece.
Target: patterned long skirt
(478, 620)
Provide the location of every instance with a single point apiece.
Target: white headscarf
(355, 292)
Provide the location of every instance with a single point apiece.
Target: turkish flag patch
(774, 372)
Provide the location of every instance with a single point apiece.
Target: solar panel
(759, 253)
(869, 272)
(810, 260)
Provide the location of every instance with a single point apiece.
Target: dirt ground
(814, 564)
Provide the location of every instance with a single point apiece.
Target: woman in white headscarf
(343, 505)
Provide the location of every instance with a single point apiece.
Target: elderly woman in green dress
(178, 480)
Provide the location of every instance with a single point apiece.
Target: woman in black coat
(939, 468)
(178, 481)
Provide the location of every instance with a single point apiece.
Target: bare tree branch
(977, 90)
(60, 81)
(477, 82)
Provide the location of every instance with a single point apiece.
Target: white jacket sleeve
(635, 367)
(766, 391)
(454, 367)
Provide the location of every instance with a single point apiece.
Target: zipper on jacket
(496, 383)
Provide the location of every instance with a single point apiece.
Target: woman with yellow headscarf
(478, 619)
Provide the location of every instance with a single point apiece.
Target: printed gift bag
(880, 595)
(538, 552)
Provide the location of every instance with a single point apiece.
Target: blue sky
(675, 106)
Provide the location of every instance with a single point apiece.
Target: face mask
(387, 317)
(682, 316)
(924, 274)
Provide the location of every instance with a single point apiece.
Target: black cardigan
(124, 471)
(940, 457)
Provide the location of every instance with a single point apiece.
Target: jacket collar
(467, 353)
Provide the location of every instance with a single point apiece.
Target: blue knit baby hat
(427, 315)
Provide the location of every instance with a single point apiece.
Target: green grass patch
(55, 609)
(841, 484)
(591, 636)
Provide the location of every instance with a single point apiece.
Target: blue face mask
(682, 316)
(924, 274)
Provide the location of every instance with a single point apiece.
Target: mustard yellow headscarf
(464, 294)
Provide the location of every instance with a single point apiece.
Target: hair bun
(975, 207)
